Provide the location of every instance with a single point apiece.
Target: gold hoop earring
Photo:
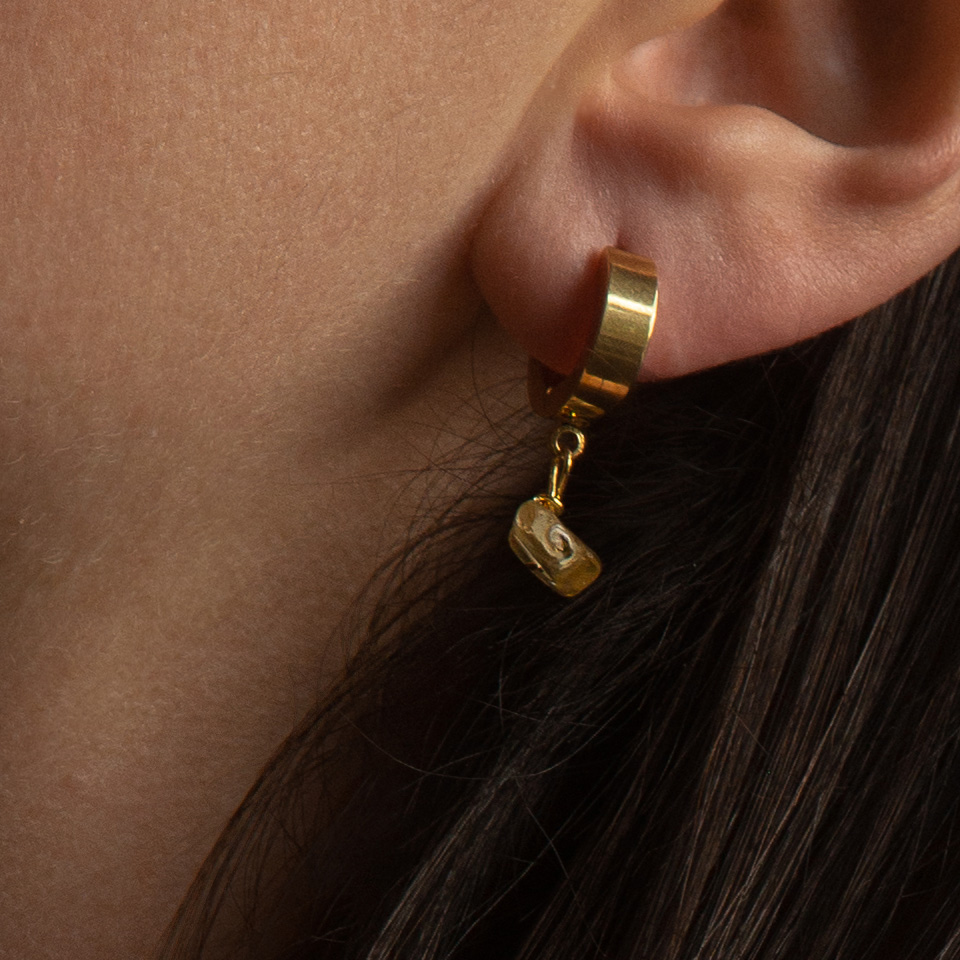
(604, 376)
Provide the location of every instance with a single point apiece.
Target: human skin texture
(240, 249)
(235, 319)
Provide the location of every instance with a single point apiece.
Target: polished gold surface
(609, 367)
(607, 371)
(552, 552)
(568, 443)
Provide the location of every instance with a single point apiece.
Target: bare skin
(238, 313)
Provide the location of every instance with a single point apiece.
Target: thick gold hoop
(604, 376)
(609, 366)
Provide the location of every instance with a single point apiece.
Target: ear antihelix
(835, 68)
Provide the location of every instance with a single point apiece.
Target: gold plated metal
(568, 443)
(604, 376)
(609, 367)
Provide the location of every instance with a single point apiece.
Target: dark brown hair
(742, 742)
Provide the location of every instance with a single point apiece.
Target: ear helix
(605, 374)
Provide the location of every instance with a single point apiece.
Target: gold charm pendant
(604, 376)
(553, 552)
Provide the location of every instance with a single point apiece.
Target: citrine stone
(552, 551)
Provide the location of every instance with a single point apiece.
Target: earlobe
(765, 232)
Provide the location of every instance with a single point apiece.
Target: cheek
(167, 142)
(187, 194)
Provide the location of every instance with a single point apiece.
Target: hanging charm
(604, 376)
(554, 553)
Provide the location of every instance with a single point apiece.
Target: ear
(788, 164)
